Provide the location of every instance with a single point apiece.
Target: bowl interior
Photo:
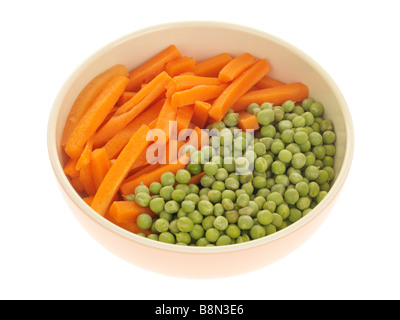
(203, 40)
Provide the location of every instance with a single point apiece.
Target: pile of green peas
(255, 183)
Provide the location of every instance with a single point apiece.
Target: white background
(46, 254)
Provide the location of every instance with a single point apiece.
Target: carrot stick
(95, 116)
(142, 171)
(70, 168)
(119, 122)
(183, 82)
(248, 121)
(86, 178)
(84, 159)
(201, 92)
(125, 97)
(211, 67)
(236, 66)
(130, 186)
(200, 113)
(276, 95)
(152, 67)
(268, 82)
(127, 211)
(184, 117)
(156, 84)
(87, 96)
(238, 88)
(180, 65)
(168, 113)
(119, 170)
(100, 165)
(114, 146)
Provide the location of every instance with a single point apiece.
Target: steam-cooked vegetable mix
(203, 153)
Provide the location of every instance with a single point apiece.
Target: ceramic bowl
(204, 39)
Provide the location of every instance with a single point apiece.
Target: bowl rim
(73, 195)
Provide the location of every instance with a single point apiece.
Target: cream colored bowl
(203, 40)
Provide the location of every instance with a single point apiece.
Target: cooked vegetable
(238, 88)
(151, 68)
(87, 96)
(197, 93)
(276, 95)
(119, 170)
(211, 67)
(95, 116)
(236, 66)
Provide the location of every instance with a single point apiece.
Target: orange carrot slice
(180, 65)
(87, 96)
(84, 159)
(161, 80)
(268, 82)
(95, 116)
(100, 165)
(184, 117)
(238, 88)
(212, 66)
(119, 170)
(276, 95)
(200, 113)
(125, 97)
(183, 82)
(167, 114)
(236, 66)
(201, 93)
(86, 178)
(248, 121)
(152, 67)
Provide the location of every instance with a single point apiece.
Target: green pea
(303, 203)
(183, 176)
(285, 155)
(178, 195)
(141, 188)
(288, 106)
(155, 187)
(207, 181)
(143, 199)
(144, 221)
(161, 225)
(291, 196)
(294, 215)
(300, 137)
(264, 217)
(265, 116)
(212, 234)
(223, 240)
(166, 237)
(214, 196)
(220, 223)
(315, 138)
(298, 160)
(257, 232)
(231, 119)
(245, 222)
(196, 216)
(194, 168)
(268, 131)
(232, 184)
(168, 179)
(233, 231)
(317, 109)
(299, 121)
(232, 216)
(157, 205)
(185, 224)
(302, 188)
(275, 197)
(270, 206)
(171, 206)
(306, 103)
(278, 167)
